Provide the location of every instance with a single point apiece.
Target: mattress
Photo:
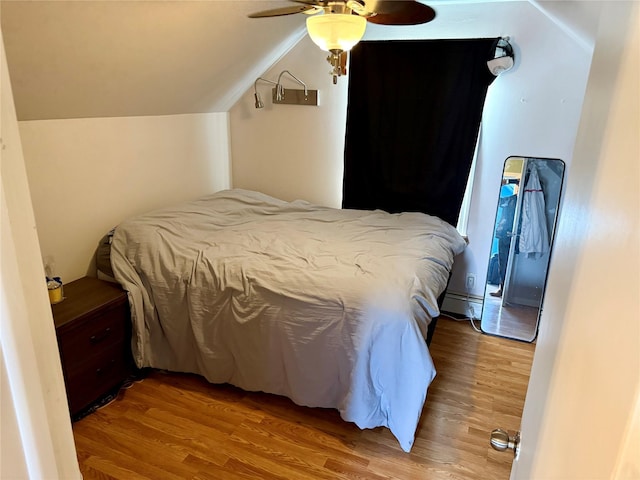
(329, 307)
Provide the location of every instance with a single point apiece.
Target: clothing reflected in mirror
(525, 219)
(504, 229)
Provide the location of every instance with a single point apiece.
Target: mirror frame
(503, 311)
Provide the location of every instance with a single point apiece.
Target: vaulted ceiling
(111, 58)
(102, 58)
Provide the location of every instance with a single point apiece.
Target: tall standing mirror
(523, 234)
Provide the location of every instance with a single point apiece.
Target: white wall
(585, 378)
(292, 151)
(532, 110)
(13, 462)
(36, 428)
(87, 175)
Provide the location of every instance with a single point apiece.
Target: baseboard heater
(462, 304)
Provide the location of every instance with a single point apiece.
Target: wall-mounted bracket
(292, 96)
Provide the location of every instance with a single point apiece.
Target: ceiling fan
(337, 25)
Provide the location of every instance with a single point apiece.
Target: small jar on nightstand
(93, 327)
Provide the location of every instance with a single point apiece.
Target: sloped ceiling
(112, 58)
(75, 59)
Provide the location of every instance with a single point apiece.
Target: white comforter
(328, 307)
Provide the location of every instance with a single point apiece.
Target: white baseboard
(470, 306)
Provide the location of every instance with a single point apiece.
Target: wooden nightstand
(93, 327)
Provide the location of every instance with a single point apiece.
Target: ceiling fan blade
(314, 3)
(401, 12)
(278, 12)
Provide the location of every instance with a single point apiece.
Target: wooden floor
(173, 426)
(513, 321)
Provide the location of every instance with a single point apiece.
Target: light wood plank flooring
(174, 426)
(514, 321)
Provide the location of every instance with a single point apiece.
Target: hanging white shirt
(534, 235)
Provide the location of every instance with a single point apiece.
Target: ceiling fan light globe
(336, 31)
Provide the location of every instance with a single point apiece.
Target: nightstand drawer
(93, 327)
(88, 380)
(94, 334)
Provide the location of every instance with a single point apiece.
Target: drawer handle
(106, 369)
(100, 337)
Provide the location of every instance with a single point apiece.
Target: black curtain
(413, 115)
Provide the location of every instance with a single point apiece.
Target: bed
(329, 307)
